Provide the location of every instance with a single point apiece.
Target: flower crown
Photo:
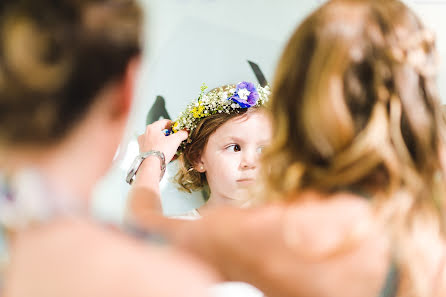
(221, 100)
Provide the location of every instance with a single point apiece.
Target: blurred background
(191, 42)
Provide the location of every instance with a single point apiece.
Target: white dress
(225, 289)
(190, 215)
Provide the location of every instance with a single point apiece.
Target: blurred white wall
(189, 42)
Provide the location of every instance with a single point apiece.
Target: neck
(57, 166)
(74, 165)
(71, 167)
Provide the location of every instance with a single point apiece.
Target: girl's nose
(249, 159)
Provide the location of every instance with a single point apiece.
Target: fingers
(155, 139)
(159, 125)
(180, 135)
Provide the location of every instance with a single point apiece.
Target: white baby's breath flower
(224, 96)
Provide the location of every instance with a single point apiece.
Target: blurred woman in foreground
(66, 76)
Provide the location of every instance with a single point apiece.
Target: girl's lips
(246, 180)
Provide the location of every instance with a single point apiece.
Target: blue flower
(245, 95)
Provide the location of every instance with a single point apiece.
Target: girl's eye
(260, 149)
(234, 148)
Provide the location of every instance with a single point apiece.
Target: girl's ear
(199, 166)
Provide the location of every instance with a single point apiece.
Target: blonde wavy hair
(355, 108)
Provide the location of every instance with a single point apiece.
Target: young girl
(227, 132)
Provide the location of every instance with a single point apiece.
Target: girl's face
(230, 159)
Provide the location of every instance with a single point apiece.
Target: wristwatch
(138, 161)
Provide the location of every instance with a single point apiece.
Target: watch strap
(138, 161)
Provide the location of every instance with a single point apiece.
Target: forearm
(219, 239)
(225, 240)
(148, 175)
(144, 196)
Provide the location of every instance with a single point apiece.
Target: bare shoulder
(314, 219)
(332, 245)
(95, 261)
(324, 222)
(310, 220)
(338, 240)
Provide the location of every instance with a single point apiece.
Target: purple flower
(245, 94)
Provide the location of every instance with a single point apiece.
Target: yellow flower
(175, 127)
(197, 112)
